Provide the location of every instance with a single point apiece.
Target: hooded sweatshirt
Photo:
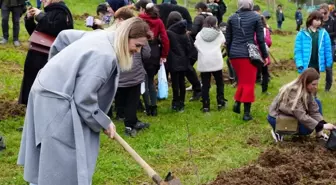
(208, 43)
(158, 28)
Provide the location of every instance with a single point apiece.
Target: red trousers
(246, 74)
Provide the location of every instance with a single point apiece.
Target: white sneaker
(189, 88)
(277, 137)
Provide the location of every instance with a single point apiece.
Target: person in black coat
(178, 57)
(55, 18)
(241, 29)
(329, 23)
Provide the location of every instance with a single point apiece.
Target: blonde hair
(132, 28)
(299, 85)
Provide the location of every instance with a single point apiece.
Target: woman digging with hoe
(69, 100)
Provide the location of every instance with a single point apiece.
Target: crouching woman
(296, 102)
(69, 100)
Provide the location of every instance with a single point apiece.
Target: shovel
(169, 180)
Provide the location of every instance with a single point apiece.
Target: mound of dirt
(11, 109)
(81, 17)
(282, 33)
(277, 68)
(303, 162)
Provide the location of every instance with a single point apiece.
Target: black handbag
(331, 143)
(253, 50)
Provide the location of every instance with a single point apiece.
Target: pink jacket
(268, 40)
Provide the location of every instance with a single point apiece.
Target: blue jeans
(38, 4)
(279, 24)
(302, 129)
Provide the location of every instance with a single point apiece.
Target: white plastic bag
(162, 83)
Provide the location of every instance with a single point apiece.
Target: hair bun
(149, 5)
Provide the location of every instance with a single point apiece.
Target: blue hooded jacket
(303, 47)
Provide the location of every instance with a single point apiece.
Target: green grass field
(219, 140)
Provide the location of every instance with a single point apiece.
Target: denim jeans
(38, 4)
(279, 24)
(16, 14)
(302, 129)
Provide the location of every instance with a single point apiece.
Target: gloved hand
(300, 69)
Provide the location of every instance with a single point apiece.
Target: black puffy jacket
(236, 41)
(180, 46)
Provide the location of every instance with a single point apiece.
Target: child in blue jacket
(313, 45)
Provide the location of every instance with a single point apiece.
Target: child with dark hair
(210, 62)
(214, 8)
(178, 57)
(105, 16)
(313, 45)
(159, 49)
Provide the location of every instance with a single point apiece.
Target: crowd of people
(69, 92)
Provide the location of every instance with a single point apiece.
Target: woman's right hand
(329, 126)
(110, 131)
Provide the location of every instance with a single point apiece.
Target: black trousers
(206, 80)
(16, 14)
(192, 78)
(178, 86)
(298, 27)
(127, 101)
(265, 78)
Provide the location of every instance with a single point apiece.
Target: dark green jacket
(12, 3)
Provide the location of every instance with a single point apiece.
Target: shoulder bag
(253, 49)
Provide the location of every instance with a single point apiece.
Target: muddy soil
(277, 68)
(81, 17)
(298, 162)
(282, 33)
(10, 109)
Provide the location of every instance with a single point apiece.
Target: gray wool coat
(67, 109)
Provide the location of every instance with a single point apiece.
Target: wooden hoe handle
(151, 173)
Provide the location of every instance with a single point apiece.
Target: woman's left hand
(110, 131)
(34, 11)
(267, 61)
(163, 60)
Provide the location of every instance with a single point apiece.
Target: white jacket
(208, 43)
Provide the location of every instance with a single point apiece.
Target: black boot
(221, 103)
(206, 106)
(236, 107)
(175, 106)
(196, 96)
(181, 107)
(154, 110)
(148, 110)
(247, 112)
(2, 143)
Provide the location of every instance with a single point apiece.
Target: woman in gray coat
(69, 100)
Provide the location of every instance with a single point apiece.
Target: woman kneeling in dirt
(69, 100)
(296, 100)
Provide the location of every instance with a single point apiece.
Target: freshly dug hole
(289, 163)
(10, 109)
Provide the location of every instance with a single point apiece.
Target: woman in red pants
(241, 29)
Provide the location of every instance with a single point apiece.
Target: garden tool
(275, 61)
(169, 180)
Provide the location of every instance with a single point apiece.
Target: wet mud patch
(282, 32)
(299, 162)
(9, 109)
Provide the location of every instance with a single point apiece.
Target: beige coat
(309, 118)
